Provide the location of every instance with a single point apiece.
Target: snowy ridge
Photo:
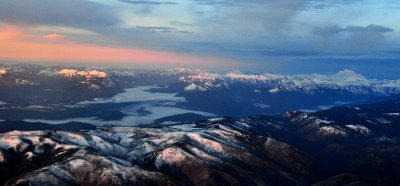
(201, 80)
(121, 155)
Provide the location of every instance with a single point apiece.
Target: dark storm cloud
(180, 23)
(161, 29)
(214, 3)
(148, 2)
(332, 30)
(157, 29)
(74, 13)
(351, 39)
(313, 4)
(318, 4)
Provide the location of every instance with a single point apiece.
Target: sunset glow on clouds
(17, 45)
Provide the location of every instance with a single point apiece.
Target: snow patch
(383, 120)
(330, 130)
(7, 142)
(392, 114)
(325, 121)
(215, 119)
(206, 142)
(274, 90)
(359, 128)
(170, 156)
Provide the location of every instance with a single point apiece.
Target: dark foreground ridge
(344, 145)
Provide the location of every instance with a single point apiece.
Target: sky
(228, 34)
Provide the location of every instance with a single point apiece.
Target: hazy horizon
(301, 36)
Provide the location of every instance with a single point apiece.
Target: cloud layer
(254, 30)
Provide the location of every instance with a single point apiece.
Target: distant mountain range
(345, 80)
(34, 91)
(357, 145)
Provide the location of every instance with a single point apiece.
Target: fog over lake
(145, 109)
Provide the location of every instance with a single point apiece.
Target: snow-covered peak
(349, 74)
(194, 87)
(349, 77)
(94, 73)
(68, 72)
(2, 71)
(188, 70)
(251, 78)
(87, 74)
(202, 82)
(48, 72)
(202, 77)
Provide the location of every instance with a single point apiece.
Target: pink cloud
(10, 33)
(53, 36)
